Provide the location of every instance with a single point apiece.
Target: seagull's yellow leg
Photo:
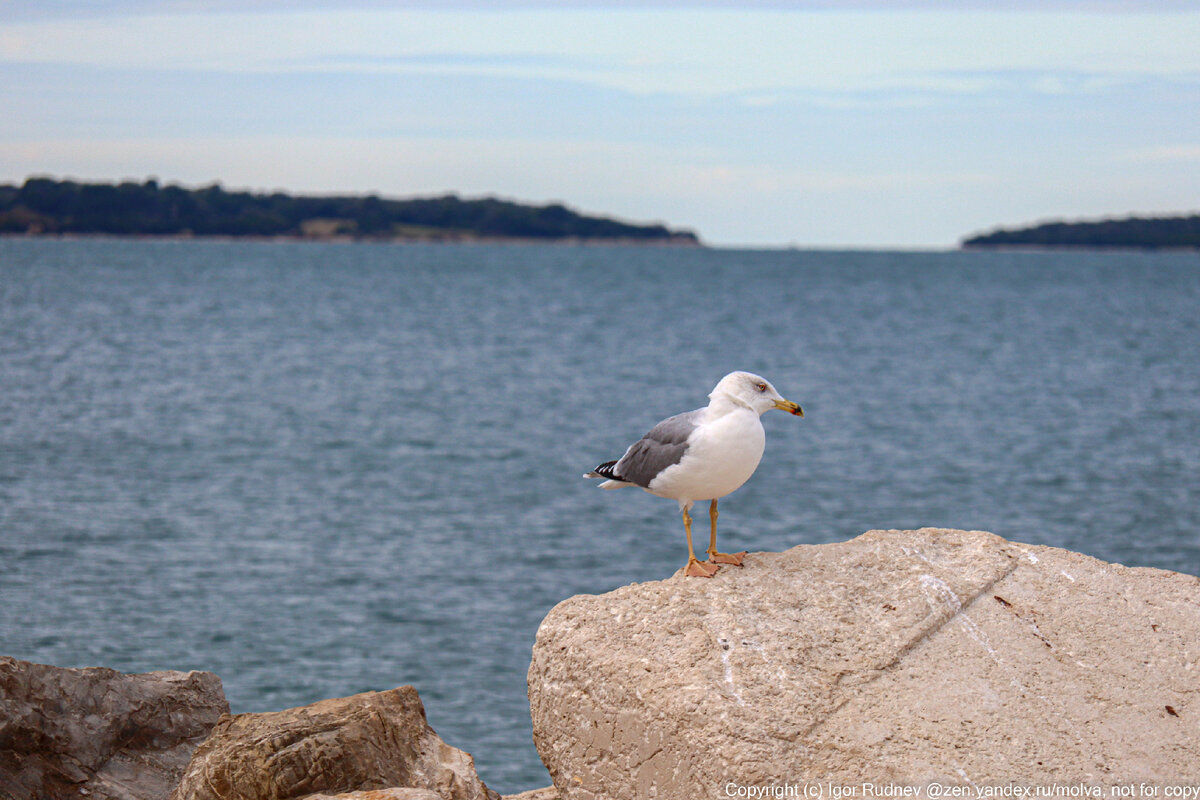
(713, 556)
(694, 568)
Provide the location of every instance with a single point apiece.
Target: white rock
(900, 657)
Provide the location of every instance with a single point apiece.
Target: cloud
(76, 9)
(1169, 153)
(694, 52)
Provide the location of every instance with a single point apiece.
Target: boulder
(370, 741)
(547, 793)
(380, 794)
(98, 733)
(896, 658)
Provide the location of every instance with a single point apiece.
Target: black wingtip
(605, 470)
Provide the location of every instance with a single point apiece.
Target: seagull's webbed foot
(694, 568)
(726, 558)
(715, 557)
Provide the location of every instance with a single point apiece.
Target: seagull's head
(754, 392)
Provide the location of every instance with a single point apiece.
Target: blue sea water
(323, 469)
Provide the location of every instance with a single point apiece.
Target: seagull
(702, 455)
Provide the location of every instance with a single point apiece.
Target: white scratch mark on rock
(975, 633)
(908, 551)
(962, 773)
(733, 689)
(1066, 575)
(937, 591)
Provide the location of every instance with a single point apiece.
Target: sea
(318, 469)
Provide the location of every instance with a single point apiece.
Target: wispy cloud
(1166, 153)
(708, 51)
(75, 9)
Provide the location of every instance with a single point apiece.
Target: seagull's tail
(605, 470)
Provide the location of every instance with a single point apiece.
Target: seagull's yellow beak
(790, 407)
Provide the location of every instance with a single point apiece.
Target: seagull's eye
(762, 387)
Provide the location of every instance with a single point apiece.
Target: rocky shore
(100, 734)
(929, 660)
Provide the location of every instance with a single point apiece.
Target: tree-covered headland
(1132, 232)
(47, 206)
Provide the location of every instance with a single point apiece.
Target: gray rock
(900, 657)
(98, 733)
(370, 741)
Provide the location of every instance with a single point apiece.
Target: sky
(810, 124)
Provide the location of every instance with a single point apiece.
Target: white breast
(722, 454)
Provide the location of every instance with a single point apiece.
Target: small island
(1146, 233)
(47, 206)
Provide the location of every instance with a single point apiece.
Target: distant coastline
(1143, 233)
(45, 206)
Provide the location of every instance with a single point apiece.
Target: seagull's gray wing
(662, 447)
